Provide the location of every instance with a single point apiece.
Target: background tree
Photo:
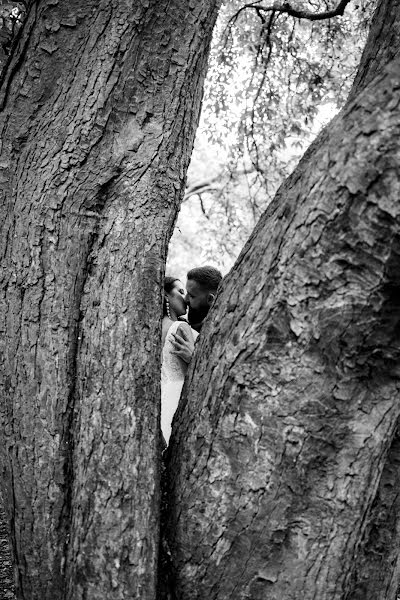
(274, 80)
(99, 103)
(289, 415)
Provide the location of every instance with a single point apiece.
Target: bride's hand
(183, 344)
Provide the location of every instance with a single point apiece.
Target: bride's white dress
(173, 371)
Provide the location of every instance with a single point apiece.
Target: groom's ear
(210, 299)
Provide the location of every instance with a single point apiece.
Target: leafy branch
(266, 33)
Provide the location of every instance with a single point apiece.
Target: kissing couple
(183, 317)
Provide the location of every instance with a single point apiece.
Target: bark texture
(376, 575)
(383, 44)
(7, 587)
(291, 405)
(376, 572)
(99, 107)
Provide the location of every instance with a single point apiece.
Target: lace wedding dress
(173, 371)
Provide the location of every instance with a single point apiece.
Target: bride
(173, 368)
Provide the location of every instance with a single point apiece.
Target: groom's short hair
(207, 277)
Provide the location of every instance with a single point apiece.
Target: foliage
(11, 18)
(274, 81)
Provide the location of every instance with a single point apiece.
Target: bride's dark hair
(168, 287)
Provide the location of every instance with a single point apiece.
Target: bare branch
(206, 185)
(203, 210)
(200, 190)
(287, 9)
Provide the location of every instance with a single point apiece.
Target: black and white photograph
(200, 300)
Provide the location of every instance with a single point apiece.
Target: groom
(201, 287)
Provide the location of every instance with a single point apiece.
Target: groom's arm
(183, 344)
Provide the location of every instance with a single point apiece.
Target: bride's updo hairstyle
(168, 287)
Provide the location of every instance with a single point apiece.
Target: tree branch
(202, 186)
(267, 42)
(199, 191)
(203, 210)
(287, 9)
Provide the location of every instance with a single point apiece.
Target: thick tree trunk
(99, 108)
(383, 44)
(376, 575)
(7, 587)
(291, 404)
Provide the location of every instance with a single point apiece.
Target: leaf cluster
(274, 81)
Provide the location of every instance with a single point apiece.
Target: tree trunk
(290, 408)
(7, 587)
(383, 44)
(99, 108)
(376, 575)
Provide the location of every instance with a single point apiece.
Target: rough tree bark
(288, 417)
(376, 574)
(7, 587)
(99, 107)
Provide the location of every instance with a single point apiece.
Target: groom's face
(199, 301)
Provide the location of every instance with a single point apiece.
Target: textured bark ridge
(7, 587)
(99, 108)
(289, 412)
(383, 44)
(376, 576)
